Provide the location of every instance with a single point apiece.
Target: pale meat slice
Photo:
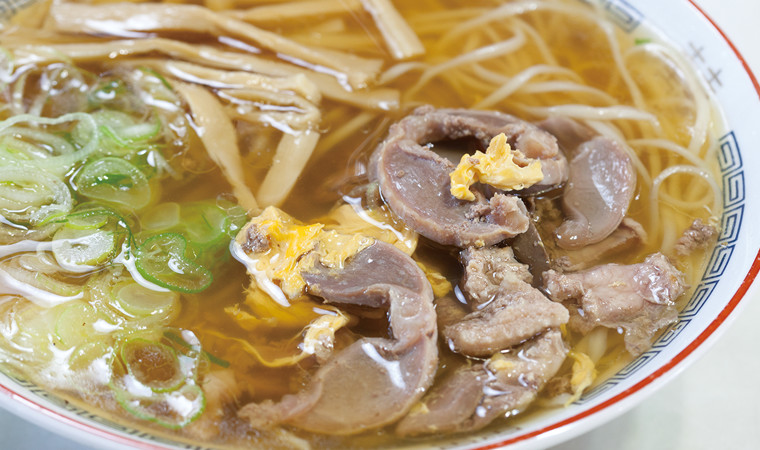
(628, 234)
(504, 309)
(699, 235)
(474, 396)
(640, 298)
(415, 182)
(600, 186)
(374, 381)
(507, 321)
(541, 255)
(486, 270)
(569, 133)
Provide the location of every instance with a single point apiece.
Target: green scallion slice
(161, 260)
(114, 180)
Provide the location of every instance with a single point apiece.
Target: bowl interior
(731, 266)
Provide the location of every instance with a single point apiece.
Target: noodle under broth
(268, 103)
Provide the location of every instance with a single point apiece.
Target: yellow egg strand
(499, 166)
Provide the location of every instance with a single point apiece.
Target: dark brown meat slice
(505, 310)
(415, 182)
(529, 249)
(473, 396)
(698, 235)
(600, 187)
(640, 298)
(374, 381)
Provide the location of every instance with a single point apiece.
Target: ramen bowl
(730, 270)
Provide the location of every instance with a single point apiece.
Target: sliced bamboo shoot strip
(126, 19)
(293, 152)
(401, 40)
(218, 136)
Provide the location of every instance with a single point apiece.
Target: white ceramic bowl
(732, 266)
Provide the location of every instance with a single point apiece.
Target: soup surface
(342, 223)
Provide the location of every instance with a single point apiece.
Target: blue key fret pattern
(732, 174)
(731, 221)
(628, 18)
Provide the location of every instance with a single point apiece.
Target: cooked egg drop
(499, 166)
(584, 373)
(291, 248)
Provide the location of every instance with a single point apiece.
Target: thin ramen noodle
(342, 223)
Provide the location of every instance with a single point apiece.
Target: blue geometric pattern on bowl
(628, 18)
(732, 175)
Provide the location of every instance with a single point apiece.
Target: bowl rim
(624, 401)
(89, 433)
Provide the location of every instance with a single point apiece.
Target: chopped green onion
(162, 217)
(114, 180)
(237, 217)
(29, 197)
(140, 301)
(157, 91)
(161, 260)
(191, 356)
(107, 91)
(172, 410)
(56, 286)
(85, 133)
(76, 325)
(30, 143)
(124, 132)
(212, 359)
(87, 220)
(86, 354)
(106, 292)
(78, 250)
(203, 223)
(153, 364)
(156, 382)
(94, 216)
(90, 215)
(157, 75)
(38, 287)
(34, 325)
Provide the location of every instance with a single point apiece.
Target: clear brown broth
(332, 173)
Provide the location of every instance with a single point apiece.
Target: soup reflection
(342, 223)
